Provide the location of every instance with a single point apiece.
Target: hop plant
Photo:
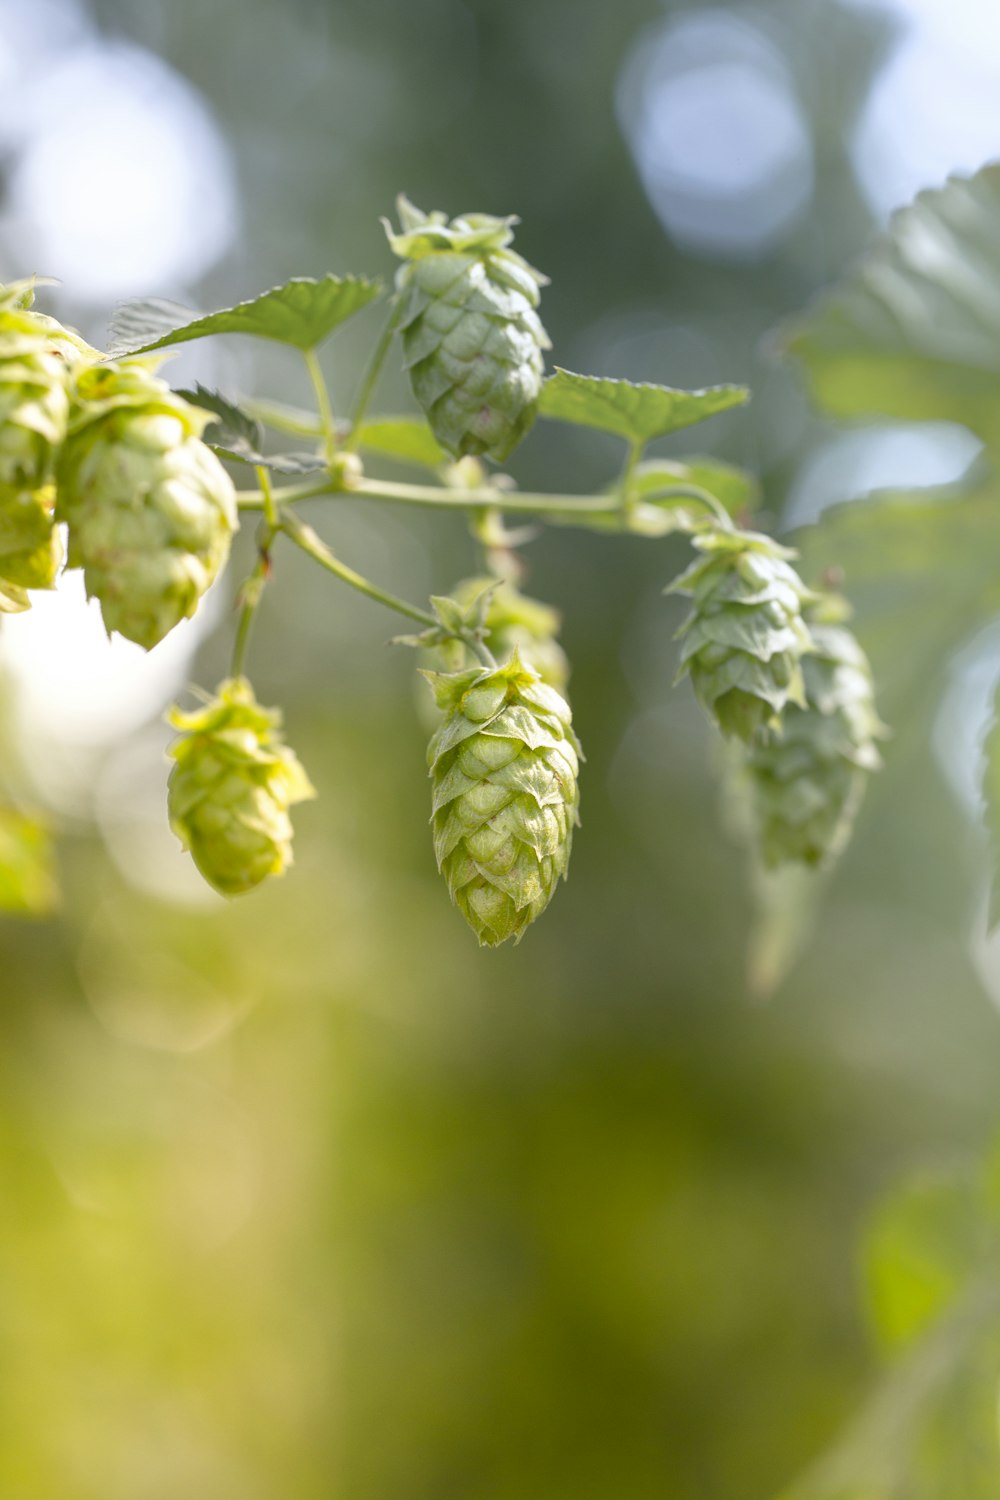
(150, 509)
(231, 786)
(745, 638)
(36, 358)
(512, 621)
(472, 339)
(503, 765)
(806, 780)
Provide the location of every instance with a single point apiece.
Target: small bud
(232, 784)
(504, 766)
(472, 338)
(150, 509)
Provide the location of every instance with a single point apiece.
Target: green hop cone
(806, 780)
(504, 765)
(150, 509)
(37, 356)
(745, 638)
(512, 621)
(472, 339)
(231, 786)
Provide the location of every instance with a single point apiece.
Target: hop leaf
(745, 637)
(36, 358)
(149, 507)
(230, 789)
(504, 767)
(472, 339)
(806, 780)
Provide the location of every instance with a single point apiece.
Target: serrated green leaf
(637, 413)
(913, 329)
(408, 439)
(27, 866)
(302, 312)
(238, 436)
(921, 1252)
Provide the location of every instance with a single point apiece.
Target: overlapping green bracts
(36, 357)
(744, 640)
(806, 780)
(231, 786)
(150, 509)
(504, 766)
(472, 339)
(513, 621)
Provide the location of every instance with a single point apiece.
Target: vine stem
(322, 401)
(304, 537)
(555, 507)
(253, 587)
(371, 376)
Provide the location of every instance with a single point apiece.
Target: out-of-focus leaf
(786, 908)
(913, 329)
(921, 1252)
(27, 866)
(13, 601)
(302, 312)
(237, 435)
(408, 439)
(920, 569)
(637, 413)
(930, 1431)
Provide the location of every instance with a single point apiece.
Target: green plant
(133, 469)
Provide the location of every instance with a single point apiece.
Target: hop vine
(140, 480)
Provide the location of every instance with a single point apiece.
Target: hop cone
(513, 621)
(807, 779)
(150, 509)
(230, 789)
(744, 640)
(504, 766)
(36, 357)
(472, 339)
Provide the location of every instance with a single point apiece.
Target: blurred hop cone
(231, 786)
(472, 338)
(36, 358)
(745, 637)
(806, 781)
(504, 765)
(150, 509)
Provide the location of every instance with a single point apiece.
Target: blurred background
(304, 1196)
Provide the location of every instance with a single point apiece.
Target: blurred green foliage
(293, 1209)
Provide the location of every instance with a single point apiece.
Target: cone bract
(231, 786)
(36, 358)
(807, 779)
(149, 507)
(472, 339)
(504, 765)
(745, 638)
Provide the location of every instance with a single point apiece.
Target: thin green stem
(253, 588)
(323, 402)
(369, 379)
(627, 498)
(303, 536)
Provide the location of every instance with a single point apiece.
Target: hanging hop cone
(231, 786)
(150, 509)
(806, 780)
(745, 638)
(511, 620)
(472, 340)
(36, 358)
(504, 765)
